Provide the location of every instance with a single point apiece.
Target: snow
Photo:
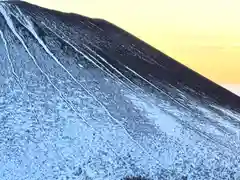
(61, 118)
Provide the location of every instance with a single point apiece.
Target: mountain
(82, 99)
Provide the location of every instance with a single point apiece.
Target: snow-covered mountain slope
(82, 99)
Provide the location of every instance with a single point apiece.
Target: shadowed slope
(169, 70)
(81, 98)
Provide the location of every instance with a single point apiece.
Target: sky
(202, 34)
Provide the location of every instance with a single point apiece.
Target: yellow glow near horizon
(202, 34)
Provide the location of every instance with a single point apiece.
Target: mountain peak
(82, 98)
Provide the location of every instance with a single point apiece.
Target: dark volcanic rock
(82, 99)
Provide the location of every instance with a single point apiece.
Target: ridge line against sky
(203, 35)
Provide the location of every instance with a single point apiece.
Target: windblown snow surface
(67, 111)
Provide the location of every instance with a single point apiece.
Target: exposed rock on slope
(81, 98)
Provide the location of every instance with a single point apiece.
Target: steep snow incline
(71, 109)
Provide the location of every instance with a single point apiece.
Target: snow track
(11, 26)
(9, 58)
(90, 115)
(31, 29)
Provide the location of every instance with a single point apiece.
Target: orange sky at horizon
(204, 35)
